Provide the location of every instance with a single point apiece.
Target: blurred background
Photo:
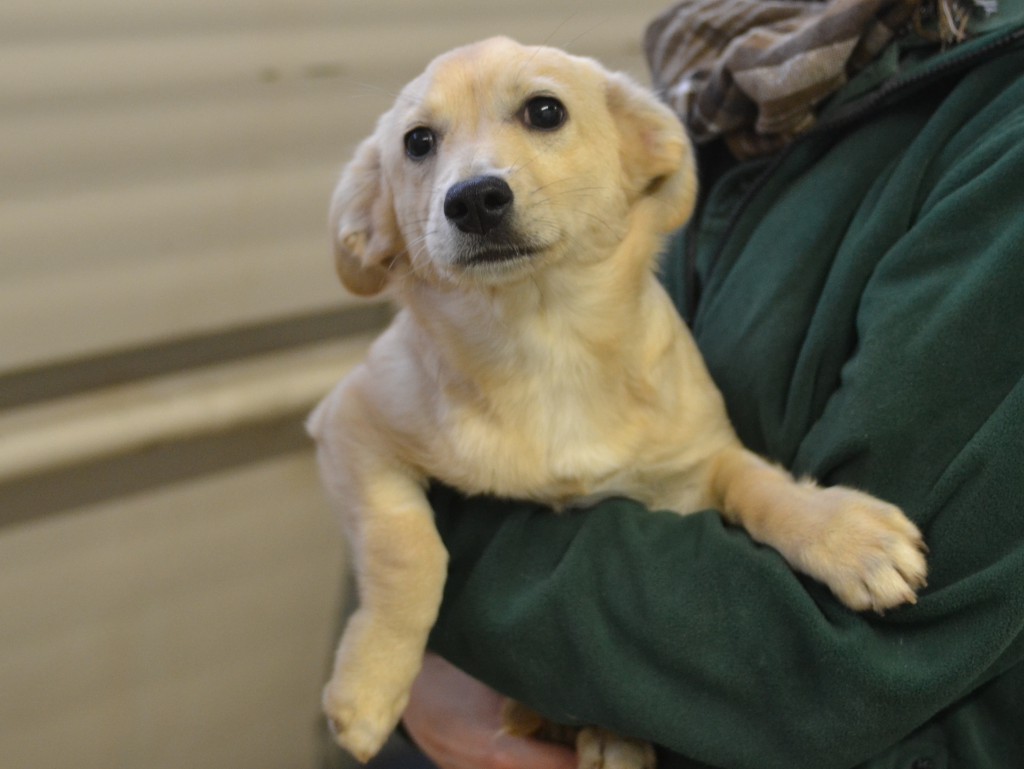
(171, 581)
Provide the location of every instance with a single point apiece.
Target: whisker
(572, 191)
(521, 164)
(558, 27)
(583, 34)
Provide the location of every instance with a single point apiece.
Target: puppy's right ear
(363, 225)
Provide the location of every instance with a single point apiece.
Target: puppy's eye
(419, 143)
(545, 113)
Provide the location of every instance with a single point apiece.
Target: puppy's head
(501, 158)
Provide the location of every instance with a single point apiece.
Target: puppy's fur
(535, 354)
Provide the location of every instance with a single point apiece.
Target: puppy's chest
(547, 444)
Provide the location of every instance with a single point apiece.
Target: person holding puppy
(853, 277)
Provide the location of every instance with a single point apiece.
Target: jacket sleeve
(681, 630)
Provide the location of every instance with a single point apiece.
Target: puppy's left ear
(657, 159)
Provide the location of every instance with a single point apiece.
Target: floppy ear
(363, 226)
(657, 159)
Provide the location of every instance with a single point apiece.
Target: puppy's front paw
(362, 715)
(866, 550)
(602, 749)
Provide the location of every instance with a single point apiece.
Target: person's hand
(456, 721)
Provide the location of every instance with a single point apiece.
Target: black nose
(479, 204)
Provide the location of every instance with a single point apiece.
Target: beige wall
(170, 577)
(186, 626)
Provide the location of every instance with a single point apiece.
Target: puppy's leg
(520, 721)
(601, 749)
(865, 550)
(595, 748)
(401, 566)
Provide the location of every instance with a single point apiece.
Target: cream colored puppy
(513, 202)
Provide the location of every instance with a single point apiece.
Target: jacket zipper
(855, 112)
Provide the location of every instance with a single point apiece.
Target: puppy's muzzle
(478, 205)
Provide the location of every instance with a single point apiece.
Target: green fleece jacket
(860, 302)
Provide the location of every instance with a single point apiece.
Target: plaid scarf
(754, 71)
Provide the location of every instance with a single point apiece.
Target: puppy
(513, 202)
